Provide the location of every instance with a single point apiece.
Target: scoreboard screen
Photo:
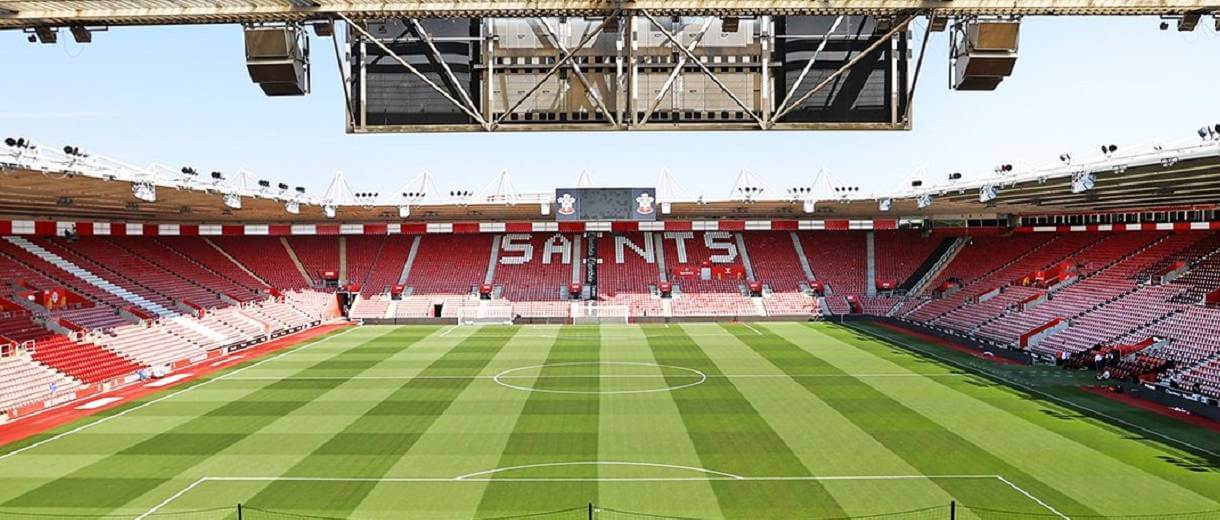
(605, 204)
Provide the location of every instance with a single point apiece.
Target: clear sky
(181, 96)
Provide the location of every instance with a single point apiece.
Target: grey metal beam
(29, 13)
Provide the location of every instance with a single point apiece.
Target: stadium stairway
(934, 259)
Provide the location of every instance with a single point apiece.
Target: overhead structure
(596, 65)
(86, 13)
(628, 72)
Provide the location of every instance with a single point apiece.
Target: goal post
(485, 315)
(600, 314)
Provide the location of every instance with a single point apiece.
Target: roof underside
(1191, 182)
(30, 13)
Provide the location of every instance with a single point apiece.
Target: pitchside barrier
(951, 511)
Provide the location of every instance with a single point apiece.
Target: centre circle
(622, 377)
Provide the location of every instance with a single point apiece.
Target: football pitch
(765, 420)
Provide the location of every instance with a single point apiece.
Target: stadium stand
(27, 381)
(629, 266)
(775, 260)
(242, 284)
(84, 361)
(266, 257)
(125, 311)
(899, 253)
(450, 264)
(686, 253)
(374, 262)
(317, 255)
(536, 267)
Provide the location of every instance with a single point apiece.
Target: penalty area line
(1032, 497)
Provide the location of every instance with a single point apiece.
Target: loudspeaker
(276, 60)
(986, 53)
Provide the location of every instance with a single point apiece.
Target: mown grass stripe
(729, 435)
(126, 408)
(923, 443)
(647, 428)
(553, 427)
(165, 456)
(1124, 447)
(373, 443)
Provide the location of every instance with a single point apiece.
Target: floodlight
(1083, 181)
(916, 184)
(988, 193)
(144, 191)
(1065, 158)
(217, 176)
(955, 176)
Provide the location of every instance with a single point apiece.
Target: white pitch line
(600, 463)
(1032, 497)
(498, 378)
(107, 418)
(447, 331)
(751, 327)
(171, 498)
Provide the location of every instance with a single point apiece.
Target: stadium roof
(31, 13)
(48, 184)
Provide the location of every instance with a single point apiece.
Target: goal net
(597, 314)
(485, 315)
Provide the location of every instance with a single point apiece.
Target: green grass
(701, 420)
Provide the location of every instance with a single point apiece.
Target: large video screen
(605, 204)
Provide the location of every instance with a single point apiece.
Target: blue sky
(181, 96)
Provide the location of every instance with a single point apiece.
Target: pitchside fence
(951, 511)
